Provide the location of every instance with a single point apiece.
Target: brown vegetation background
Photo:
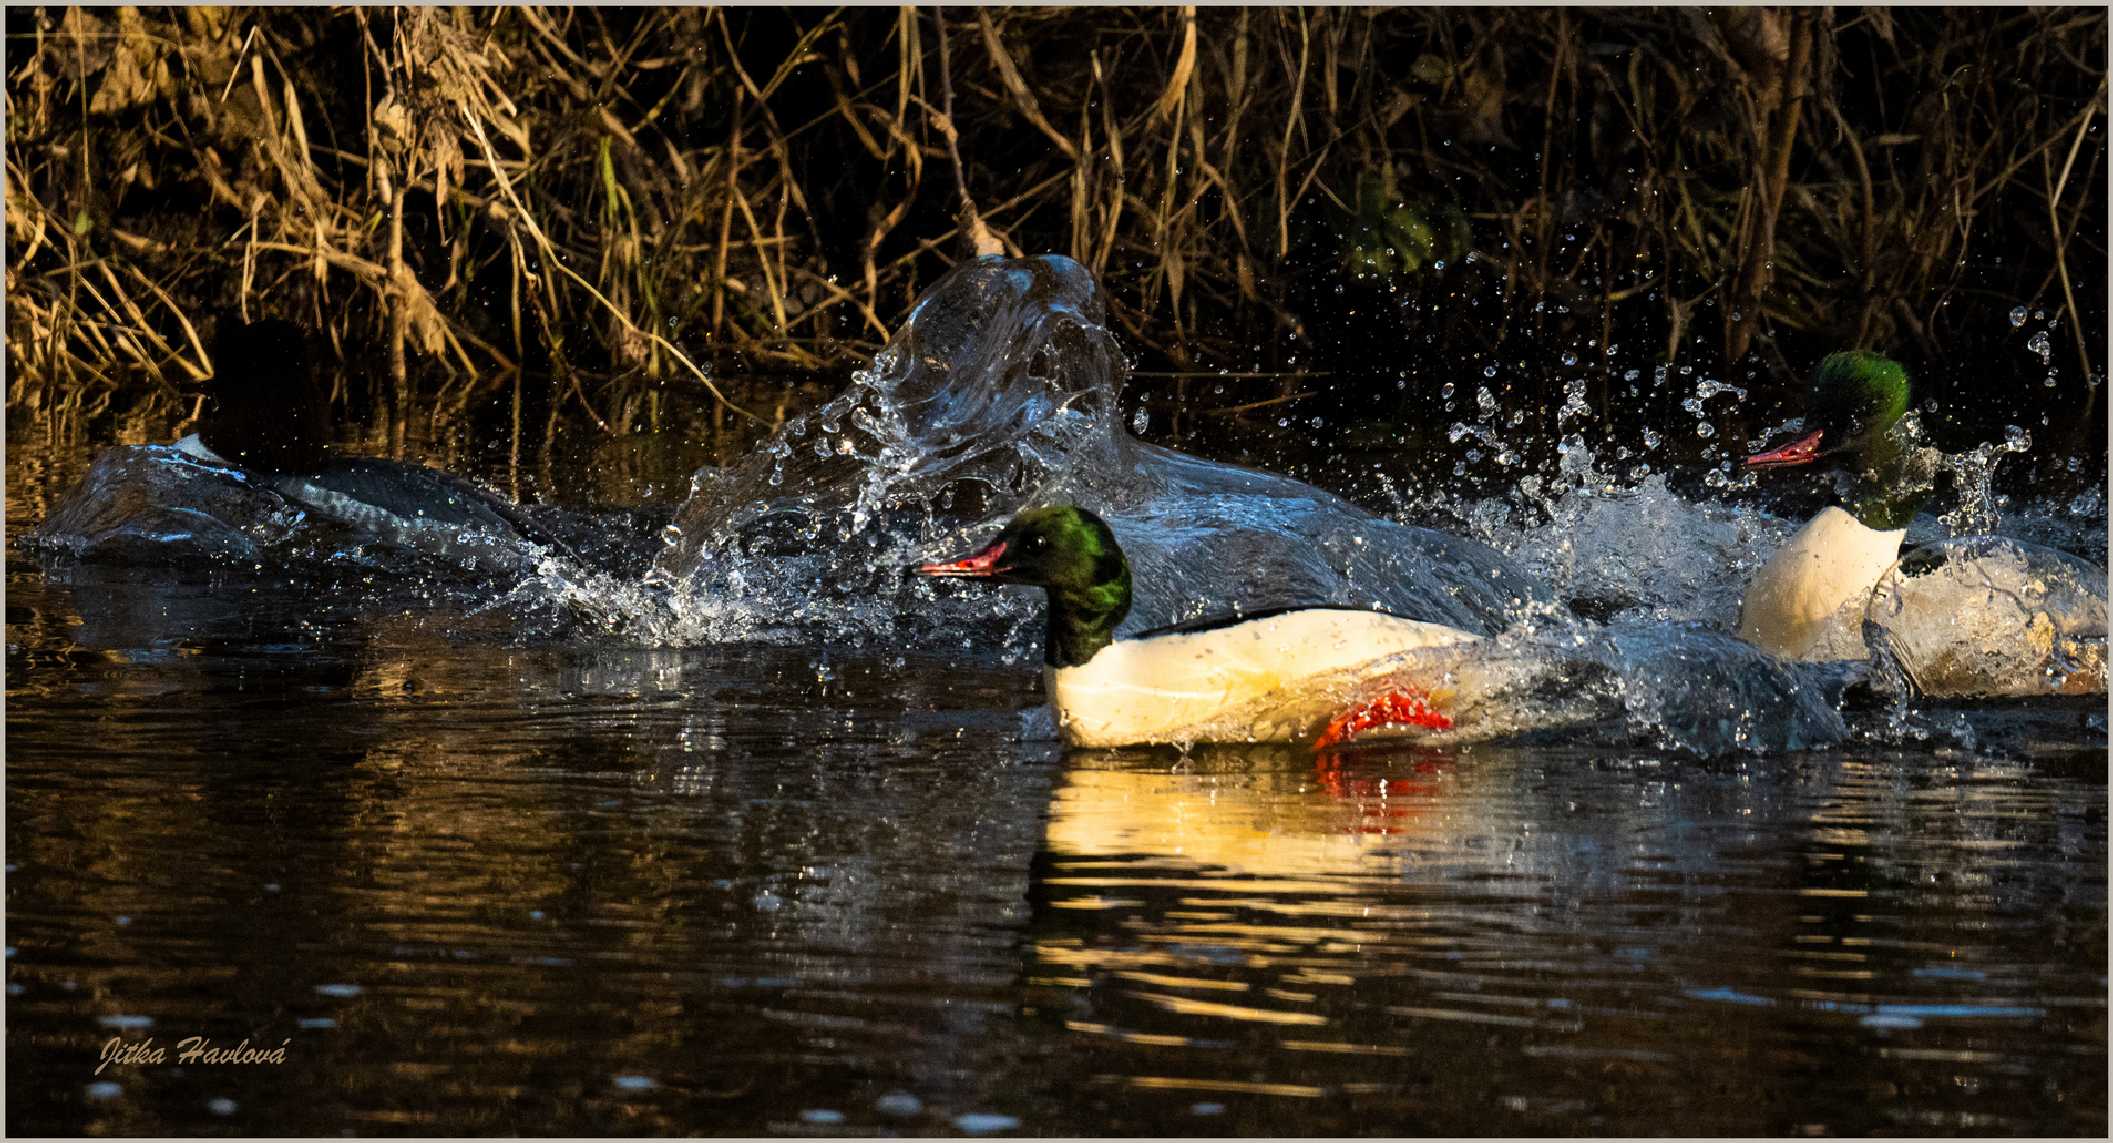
(577, 212)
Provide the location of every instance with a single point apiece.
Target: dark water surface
(481, 882)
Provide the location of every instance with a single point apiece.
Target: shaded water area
(743, 832)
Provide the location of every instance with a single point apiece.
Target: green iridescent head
(1853, 412)
(1073, 554)
(1850, 409)
(1856, 398)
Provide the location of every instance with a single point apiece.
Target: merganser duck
(267, 416)
(1285, 675)
(1810, 600)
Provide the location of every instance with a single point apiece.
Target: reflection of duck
(1811, 599)
(1255, 811)
(269, 418)
(1276, 676)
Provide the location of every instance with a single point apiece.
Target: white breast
(1808, 601)
(1278, 678)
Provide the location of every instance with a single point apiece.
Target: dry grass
(606, 202)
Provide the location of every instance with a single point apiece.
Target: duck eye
(1038, 543)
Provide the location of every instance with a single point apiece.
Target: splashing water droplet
(2041, 345)
(1139, 420)
(1446, 391)
(2018, 316)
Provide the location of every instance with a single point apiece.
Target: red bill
(983, 563)
(1803, 450)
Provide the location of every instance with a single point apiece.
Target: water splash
(157, 505)
(1000, 391)
(1988, 616)
(1974, 475)
(1675, 686)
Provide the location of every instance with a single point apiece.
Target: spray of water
(1001, 390)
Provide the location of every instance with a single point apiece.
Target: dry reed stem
(746, 187)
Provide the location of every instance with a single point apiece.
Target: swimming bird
(1811, 599)
(1287, 675)
(267, 416)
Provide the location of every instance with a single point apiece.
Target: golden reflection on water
(1424, 905)
(1276, 817)
(1245, 883)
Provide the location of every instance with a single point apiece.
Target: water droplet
(2018, 316)
(1489, 371)
(1569, 358)
(898, 1103)
(221, 1105)
(1446, 391)
(984, 1123)
(634, 1083)
(2041, 345)
(1705, 430)
(821, 1115)
(339, 991)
